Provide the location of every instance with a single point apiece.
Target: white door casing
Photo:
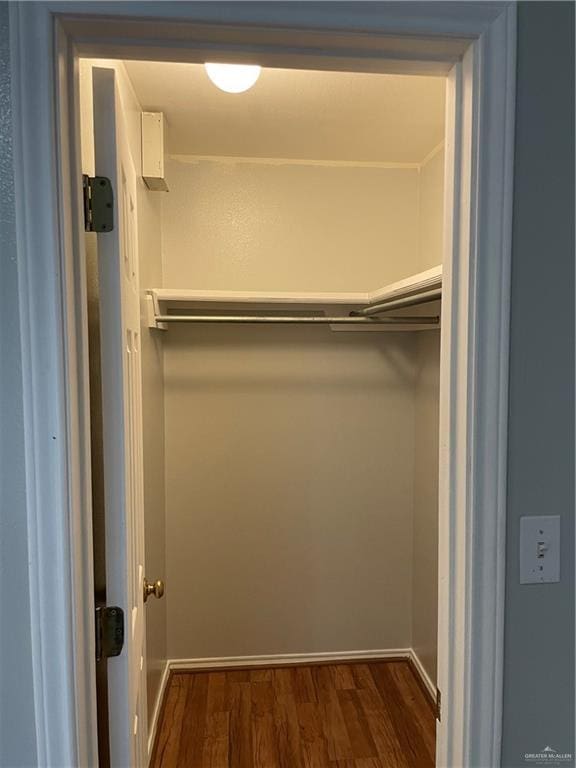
(46, 39)
(122, 425)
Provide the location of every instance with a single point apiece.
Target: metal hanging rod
(295, 319)
(406, 301)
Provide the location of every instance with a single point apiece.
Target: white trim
(289, 659)
(283, 659)
(180, 295)
(422, 281)
(273, 41)
(446, 679)
(424, 676)
(475, 331)
(78, 410)
(153, 728)
(491, 234)
(432, 154)
(473, 398)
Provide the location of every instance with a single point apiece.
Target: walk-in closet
(288, 262)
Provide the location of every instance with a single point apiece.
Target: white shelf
(163, 301)
(418, 283)
(178, 296)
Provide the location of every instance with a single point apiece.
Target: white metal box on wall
(153, 151)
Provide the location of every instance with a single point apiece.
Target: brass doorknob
(155, 588)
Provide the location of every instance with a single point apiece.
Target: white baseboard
(157, 709)
(424, 676)
(276, 660)
(279, 659)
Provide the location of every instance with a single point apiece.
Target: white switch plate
(540, 549)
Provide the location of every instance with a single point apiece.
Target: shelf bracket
(153, 311)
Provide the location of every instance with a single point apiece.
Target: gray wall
(17, 731)
(539, 653)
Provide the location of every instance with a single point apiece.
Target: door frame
(473, 44)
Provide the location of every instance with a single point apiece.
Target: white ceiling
(295, 114)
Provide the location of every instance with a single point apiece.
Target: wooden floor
(372, 715)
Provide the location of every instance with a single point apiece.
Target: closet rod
(406, 301)
(309, 320)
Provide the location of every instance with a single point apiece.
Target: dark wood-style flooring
(372, 715)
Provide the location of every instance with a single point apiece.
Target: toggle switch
(540, 549)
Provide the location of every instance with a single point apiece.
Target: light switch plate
(540, 549)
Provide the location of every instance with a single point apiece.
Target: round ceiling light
(233, 78)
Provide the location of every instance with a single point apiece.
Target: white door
(122, 425)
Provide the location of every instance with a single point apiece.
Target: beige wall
(425, 528)
(150, 267)
(426, 395)
(431, 211)
(289, 451)
(257, 226)
(289, 490)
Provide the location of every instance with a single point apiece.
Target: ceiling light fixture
(233, 78)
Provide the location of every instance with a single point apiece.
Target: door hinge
(109, 631)
(438, 705)
(98, 204)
